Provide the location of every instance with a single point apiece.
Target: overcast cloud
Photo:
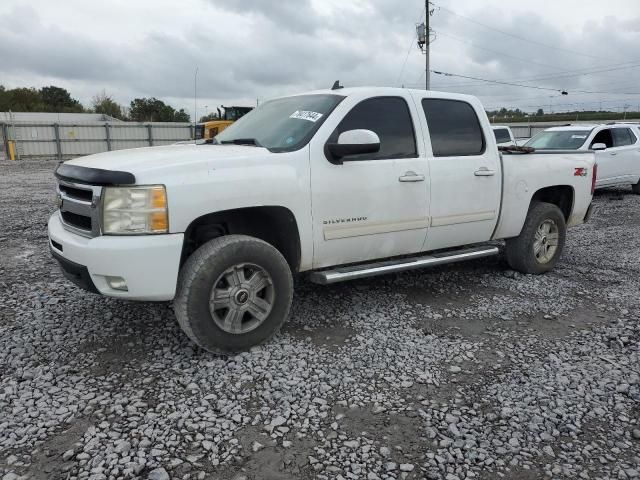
(256, 49)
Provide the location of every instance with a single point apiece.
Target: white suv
(617, 148)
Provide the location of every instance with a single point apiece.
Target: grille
(79, 210)
(75, 220)
(76, 193)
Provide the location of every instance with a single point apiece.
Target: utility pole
(426, 56)
(195, 99)
(423, 31)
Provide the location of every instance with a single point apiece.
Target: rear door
(624, 141)
(374, 205)
(465, 174)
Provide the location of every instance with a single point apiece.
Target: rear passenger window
(622, 137)
(390, 119)
(454, 128)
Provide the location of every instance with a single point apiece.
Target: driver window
(390, 119)
(603, 136)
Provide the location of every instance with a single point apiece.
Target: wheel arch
(515, 208)
(562, 196)
(275, 225)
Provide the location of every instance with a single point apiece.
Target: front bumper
(148, 263)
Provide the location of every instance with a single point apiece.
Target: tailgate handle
(484, 172)
(411, 176)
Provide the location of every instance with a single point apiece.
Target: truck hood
(143, 162)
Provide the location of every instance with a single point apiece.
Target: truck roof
(389, 91)
(590, 126)
(573, 127)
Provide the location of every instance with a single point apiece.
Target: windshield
(281, 125)
(559, 140)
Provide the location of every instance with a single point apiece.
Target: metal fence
(66, 140)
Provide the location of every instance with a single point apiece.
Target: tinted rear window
(502, 135)
(622, 137)
(454, 128)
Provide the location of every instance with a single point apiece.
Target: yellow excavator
(226, 116)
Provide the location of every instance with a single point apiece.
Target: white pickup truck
(342, 184)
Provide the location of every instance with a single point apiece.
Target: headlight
(134, 210)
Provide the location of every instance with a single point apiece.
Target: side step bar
(326, 277)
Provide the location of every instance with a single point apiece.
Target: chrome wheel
(545, 243)
(242, 298)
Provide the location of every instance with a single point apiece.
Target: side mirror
(598, 146)
(354, 142)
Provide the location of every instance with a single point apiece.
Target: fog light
(117, 283)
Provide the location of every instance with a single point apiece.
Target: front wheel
(538, 247)
(234, 292)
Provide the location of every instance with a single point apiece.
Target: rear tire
(234, 292)
(539, 246)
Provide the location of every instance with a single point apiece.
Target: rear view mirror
(598, 146)
(354, 142)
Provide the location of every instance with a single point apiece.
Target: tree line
(59, 100)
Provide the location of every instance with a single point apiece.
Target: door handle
(411, 176)
(613, 153)
(484, 172)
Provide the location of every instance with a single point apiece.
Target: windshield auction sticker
(306, 115)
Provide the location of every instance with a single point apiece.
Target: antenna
(336, 85)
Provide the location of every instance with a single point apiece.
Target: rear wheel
(234, 292)
(538, 247)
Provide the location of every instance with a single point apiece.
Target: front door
(373, 205)
(465, 172)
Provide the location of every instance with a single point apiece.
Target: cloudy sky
(256, 49)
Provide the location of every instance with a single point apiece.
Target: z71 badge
(580, 172)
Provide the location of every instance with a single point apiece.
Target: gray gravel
(471, 371)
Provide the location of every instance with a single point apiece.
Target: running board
(326, 277)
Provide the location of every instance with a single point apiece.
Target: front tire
(234, 292)
(539, 246)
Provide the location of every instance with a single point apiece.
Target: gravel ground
(470, 371)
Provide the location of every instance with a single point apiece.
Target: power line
(446, 74)
(566, 74)
(517, 36)
(411, 44)
(594, 102)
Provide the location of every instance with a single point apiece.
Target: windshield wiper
(241, 141)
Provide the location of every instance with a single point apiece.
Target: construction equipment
(226, 116)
